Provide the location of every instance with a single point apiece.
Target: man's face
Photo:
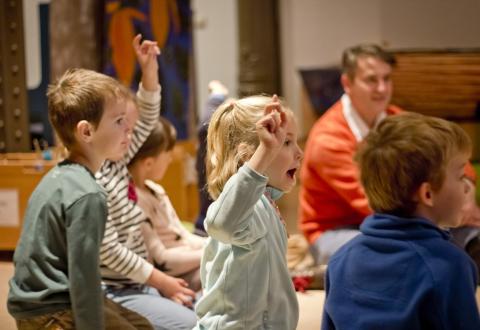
(370, 89)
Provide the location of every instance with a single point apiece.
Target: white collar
(357, 125)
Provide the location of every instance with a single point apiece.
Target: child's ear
(424, 194)
(84, 130)
(148, 162)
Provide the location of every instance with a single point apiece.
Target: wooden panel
(444, 84)
(180, 181)
(259, 69)
(23, 171)
(22, 176)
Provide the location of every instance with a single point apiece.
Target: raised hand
(271, 131)
(147, 52)
(271, 127)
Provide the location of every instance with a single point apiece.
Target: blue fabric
(161, 312)
(400, 274)
(329, 242)
(273, 193)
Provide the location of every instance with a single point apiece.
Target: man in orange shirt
(332, 201)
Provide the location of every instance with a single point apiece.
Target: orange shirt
(331, 195)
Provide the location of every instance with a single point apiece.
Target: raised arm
(229, 218)
(148, 95)
(147, 52)
(271, 133)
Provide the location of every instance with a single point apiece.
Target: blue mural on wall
(169, 23)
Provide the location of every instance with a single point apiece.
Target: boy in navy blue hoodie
(402, 271)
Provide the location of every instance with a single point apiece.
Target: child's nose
(467, 185)
(299, 153)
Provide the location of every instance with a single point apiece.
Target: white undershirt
(357, 125)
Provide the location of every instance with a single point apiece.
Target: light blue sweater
(244, 269)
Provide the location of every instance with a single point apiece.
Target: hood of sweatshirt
(390, 226)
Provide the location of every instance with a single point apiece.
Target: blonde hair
(403, 152)
(232, 124)
(81, 94)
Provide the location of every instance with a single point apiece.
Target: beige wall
(431, 23)
(215, 40)
(314, 33)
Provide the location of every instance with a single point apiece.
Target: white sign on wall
(9, 206)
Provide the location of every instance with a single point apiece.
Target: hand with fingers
(177, 290)
(271, 127)
(147, 52)
(271, 131)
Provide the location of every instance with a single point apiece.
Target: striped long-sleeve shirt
(123, 254)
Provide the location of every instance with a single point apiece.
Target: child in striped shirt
(128, 277)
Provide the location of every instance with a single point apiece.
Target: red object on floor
(301, 283)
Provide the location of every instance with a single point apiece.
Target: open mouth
(291, 172)
(379, 99)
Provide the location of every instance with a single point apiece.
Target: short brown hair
(403, 152)
(162, 138)
(81, 94)
(352, 54)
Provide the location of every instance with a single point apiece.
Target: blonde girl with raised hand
(252, 158)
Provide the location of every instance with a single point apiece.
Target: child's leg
(62, 320)
(162, 313)
(119, 317)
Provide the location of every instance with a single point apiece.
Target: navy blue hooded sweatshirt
(400, 274)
